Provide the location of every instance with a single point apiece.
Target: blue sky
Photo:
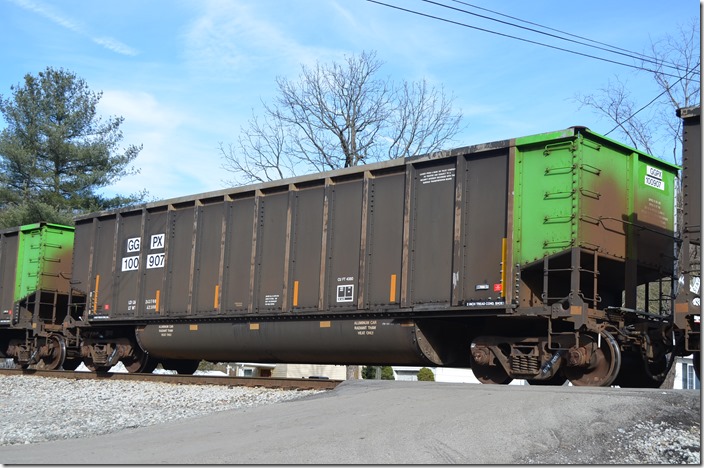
(186, 75)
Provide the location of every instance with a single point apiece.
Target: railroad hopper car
(542, 258)
(35, 272)
(688, 300)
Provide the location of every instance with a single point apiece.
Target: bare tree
(423, 120)
(674, 65)
(615, 102)
(682, 51)
(341, 115)
(264, 152)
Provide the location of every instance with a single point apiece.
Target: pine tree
(56, 152)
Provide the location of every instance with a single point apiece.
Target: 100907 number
(133, 263)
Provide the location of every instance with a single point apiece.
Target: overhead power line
(607, 47)
(620, 124)
(589, 42)
(509, 36)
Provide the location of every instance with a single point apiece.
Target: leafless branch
(341, 115)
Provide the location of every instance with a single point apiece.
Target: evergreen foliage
(56, 152)
(369, 372)
(387, 373)
(426, 375)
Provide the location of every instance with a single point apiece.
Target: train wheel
(604, 367)
(71, 364)
(633, 372)
(186, 367)
(88, 361)
(20, 366)
(555, 380)
(181, 366)
(55, 355)
(487, 374)
(140, 363)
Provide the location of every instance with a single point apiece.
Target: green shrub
(387, 373)
(426, 375)
(368, 372)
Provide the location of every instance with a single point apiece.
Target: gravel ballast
(40, 409)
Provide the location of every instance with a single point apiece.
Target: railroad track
(265, 382)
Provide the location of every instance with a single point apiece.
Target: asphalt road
(379, 422)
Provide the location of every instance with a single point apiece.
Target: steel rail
(180, 379)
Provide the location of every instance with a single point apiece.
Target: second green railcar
(35, 273)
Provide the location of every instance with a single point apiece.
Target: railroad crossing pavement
(379, 422)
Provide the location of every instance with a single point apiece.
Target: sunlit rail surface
(264, 382)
